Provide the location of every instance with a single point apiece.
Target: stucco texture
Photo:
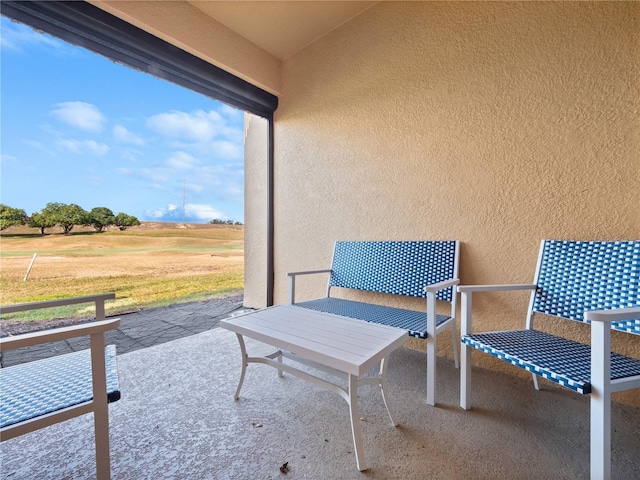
(255, 211)
(496, 124)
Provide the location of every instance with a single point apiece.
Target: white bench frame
(99, 405)
(432, 329)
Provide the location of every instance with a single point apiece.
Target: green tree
(10, 216)
(41, 221)
(123, 221)
(101, 217)
(67, 216)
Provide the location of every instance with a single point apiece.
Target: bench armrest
(98, 299)
(467, 292)
(495, 288)
(292, 281)
(613, 315)
(307, 272)
(56, 334)
(434, 287)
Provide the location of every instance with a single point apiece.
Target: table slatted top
(351, 346)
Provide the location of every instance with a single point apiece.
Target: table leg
(383, 386)
(243, 350)
(280, 372)
(355, 422)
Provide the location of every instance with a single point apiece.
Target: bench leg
(456, 343)
(535, 381)
(355, 422)
(432, 348)
(465, 353)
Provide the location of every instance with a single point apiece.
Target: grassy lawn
(151, 265)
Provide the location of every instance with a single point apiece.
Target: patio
(496, 124)
(177, 419)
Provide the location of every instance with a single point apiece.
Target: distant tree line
(66, 216)
(217, 221)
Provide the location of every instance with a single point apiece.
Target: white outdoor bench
(43, 392)
(425, 269)
(589, 282)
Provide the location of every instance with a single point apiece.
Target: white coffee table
(337, 345)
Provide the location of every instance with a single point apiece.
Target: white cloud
(7, 158)
(232, 112)
(122, 135)
(16, 37)
(194, 187)
(201, 212)
(199, 126)
(40, 146)
(181, 161)
(192, 213)
(132, 155)
(218, 149)
(228, 150)
(80, 114)
(156, 214)
(84, 146)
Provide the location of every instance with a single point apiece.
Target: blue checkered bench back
(575, 277)
(397, 267)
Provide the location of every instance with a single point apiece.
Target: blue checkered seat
(35, 389)
(423, 269)
(596, 283)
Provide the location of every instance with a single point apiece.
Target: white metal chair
(43, 392)
(590, 282)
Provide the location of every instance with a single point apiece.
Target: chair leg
(103, 461)
(535, 381)
(600, 400)
(100, 405)
(465, 377)
(456, 342)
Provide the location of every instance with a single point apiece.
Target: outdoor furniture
(590, 282)
(425, 269)
(340, 346)
(43, 392)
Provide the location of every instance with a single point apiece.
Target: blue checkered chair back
(402, 268)
(575, 277)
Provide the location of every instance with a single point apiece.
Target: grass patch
(115, 251)
(148, 267)
(132, 294)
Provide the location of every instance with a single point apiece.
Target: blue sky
(79, 128)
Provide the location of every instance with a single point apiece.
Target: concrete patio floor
(177, 420)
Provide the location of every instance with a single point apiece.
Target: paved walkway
(142, 329)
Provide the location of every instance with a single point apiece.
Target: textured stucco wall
(255, 211)
(497, 124)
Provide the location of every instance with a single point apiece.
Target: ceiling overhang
(282, 28)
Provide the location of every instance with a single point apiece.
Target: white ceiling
(285, 27)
